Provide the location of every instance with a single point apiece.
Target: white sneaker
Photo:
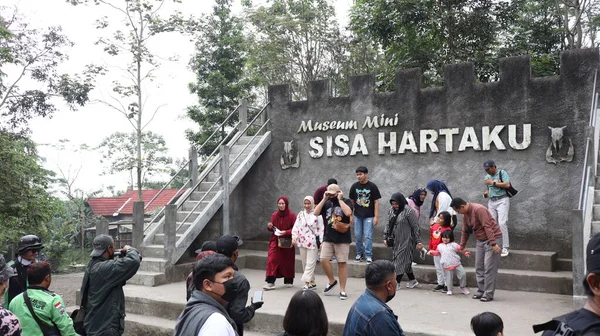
(287, 285)
(465, 290)
(504, 252)
(449, 292)
(414, 263)
(269, 286)
(398, 287)
(412, 284)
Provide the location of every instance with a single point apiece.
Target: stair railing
(250, 124)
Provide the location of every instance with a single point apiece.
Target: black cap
(208, 246)
(228, 244)
(487, 164)
(593, 254)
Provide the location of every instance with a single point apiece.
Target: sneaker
(398, 287)
(445, 289)
(369, 260)
(358, 258)
(319, 257)
(312, 286)
(305, 287)
(414, 263)
(465, 290)
(269, 286)
(412, 284)
(449, 292)
(333, 259)
(504, 252)
(289, 285)
(343, 296)
(438, 288)
(329, 287)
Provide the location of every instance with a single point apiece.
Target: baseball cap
(208, 246)
(593, 254)
(228, 244)
(333, 189)
(101, 243)
(487, 164)
(5, 271)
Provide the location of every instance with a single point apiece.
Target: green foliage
(25, 205)
(296, 42)
(119, 154)
(36, 55)
(219, 65)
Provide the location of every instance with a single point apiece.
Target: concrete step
(153, 265)
(191, 205)
(517, 259)
(159, 238)
(508, 279)
(413, 306)
(564, 265)
(189, 216)
(595, 227)
(204, 186)
(149, 279)
(597, 196)
(596, 214)
(153, 251)
(198, 195)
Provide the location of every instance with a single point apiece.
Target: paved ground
(66, 285)
(418, 310)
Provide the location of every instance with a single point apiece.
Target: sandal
(477, 296)
(486, 299)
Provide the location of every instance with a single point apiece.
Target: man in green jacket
(49, 307)
(105, 309)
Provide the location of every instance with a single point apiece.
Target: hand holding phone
(258, 297)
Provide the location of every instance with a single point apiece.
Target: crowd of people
(218, 293)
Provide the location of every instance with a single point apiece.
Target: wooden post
(243, 115)
(137, 235)
(170, 229)
(226, 229)
(193, 167)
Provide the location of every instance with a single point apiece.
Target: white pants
(499, 211)
(309, 263)
(460, 274)
(439, 270)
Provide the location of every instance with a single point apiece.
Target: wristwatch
(494, 183)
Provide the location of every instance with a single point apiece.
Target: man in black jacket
(228, 246)
(27, 253)
(105, 309)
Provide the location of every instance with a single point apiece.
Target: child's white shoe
(449, 292)
(465, 290)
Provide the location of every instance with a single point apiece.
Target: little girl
(441, 224)
(450, 261)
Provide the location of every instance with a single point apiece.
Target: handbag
(340, 226)
(46, 329)
(390, 240)
(317, 238)
(284, 242)
(510, 191)
(78, 315)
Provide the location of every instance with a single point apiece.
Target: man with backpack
(497, 182)
(584, 321)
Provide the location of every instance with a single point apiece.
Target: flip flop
(477, 296)
(486, 299)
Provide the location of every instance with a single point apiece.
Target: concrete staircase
(195, 209)
(596, 214)
(527, 271)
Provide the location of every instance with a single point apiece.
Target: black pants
(271, 279)
(411, 276)
(240, 329)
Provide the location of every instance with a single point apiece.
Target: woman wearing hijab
(281, 259)
(416, 200)
(440, 202)
(400, 233)
(307, 234)
(9, 323)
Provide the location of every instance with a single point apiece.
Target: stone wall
(547, 192)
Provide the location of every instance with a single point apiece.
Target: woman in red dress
(281, 261)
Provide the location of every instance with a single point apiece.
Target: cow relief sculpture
(560, 149)
(291, 156)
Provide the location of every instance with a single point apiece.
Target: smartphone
(258, 296)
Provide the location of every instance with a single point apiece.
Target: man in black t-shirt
(365, 197)
(337, 238)
(584, 321)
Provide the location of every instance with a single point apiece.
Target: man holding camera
(105, 309)
(337, 237)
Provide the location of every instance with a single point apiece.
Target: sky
(93, 122)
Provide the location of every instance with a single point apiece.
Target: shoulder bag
(317, 238)
(78, 315)
(46, 329)
(510, 191)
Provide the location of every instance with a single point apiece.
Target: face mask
(25, 262)
(390, 297)
(230, 290)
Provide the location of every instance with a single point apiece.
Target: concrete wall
(539, 214)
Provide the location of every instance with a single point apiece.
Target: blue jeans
(363, 227)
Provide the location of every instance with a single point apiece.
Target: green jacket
(105, 309)
(49, 308)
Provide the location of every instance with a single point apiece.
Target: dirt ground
(66, 285)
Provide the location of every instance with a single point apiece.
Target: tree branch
(153, 115)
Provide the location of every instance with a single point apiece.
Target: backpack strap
(46, 329)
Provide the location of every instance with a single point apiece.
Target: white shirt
(216, 324)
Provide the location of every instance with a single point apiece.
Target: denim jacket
(369, 316)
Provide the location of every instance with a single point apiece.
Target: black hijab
(416, 196)
(401, 200)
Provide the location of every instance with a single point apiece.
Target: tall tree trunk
(140, 107)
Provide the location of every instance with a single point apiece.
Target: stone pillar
(170, 229)
(243, 115)
(102, 226)
(579, 244)
(193, 167)
(138, 224)
(225, 226)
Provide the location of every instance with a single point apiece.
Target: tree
(296, 42)
(25, 204)
(35, 55)
(143, 21)
(119, 154)
(219, 65)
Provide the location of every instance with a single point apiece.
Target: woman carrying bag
(281, 258)
(307, 234)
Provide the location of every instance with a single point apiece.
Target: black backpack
(561, 328)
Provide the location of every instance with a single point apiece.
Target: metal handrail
(218, 128)
(162, 210)
(239, 134)
(167, 184)
(199, 202)
(249, 142)
(586, 180)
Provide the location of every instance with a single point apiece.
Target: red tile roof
(123, 205)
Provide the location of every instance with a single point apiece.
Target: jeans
(363, 227)
(499, 211)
